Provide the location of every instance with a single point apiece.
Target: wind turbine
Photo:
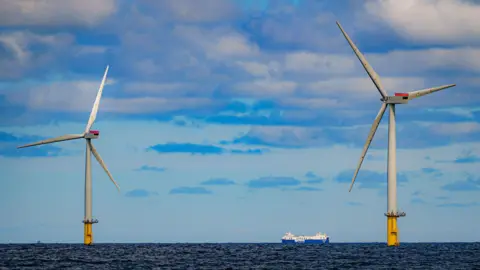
(390, 101)
(88, 135)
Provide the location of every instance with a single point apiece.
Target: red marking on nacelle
(94, 132)
(401, 94)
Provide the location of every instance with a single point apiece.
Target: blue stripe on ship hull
(306, 241)
(288, 241)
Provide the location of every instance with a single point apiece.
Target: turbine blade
(54, 140)
(100, 161)
(93, 114)
(371, 73)
(375, 124)
(423, 92)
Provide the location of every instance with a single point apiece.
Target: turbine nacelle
(398, 98)
(92, 134)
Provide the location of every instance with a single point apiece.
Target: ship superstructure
(318, 238)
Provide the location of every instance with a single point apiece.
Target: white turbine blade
(54, 140)
(375, 124)
(420, 93)
(93, 114)
(100, 161)
(373, 75)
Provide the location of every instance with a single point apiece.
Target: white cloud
(465, 112)
(169, 89)
(146, 66)
(310, 32)
(434, 59)
(255, 68)
(430, 21)
(290, 136)
(55, 12)
(304, 61)
(265, 88)
(181, 51)
(426, 134)
(310, 103)
(19, 42)
(361, 86)
(156, 105)
(456, 128)
(76, 96)
(161, 89)
(234, 45)
(82, 50)
(195, 11)
(218, 43)
(22, 59)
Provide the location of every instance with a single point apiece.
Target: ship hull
(308, 241)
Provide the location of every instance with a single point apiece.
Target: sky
(237, 120)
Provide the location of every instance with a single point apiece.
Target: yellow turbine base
(88, 234)
(392, 232)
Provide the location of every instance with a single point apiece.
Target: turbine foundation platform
(87, 231)
(392, 228)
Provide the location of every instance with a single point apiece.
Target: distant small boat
(318, 238)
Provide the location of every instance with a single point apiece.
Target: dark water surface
(241, 256)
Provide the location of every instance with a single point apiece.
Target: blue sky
(237, 121)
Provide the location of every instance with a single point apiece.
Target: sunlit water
(241, 256)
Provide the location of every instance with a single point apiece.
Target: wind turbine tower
(88, 135)
(390, 102)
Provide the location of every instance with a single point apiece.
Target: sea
(241, 256)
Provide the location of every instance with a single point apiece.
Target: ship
(318, 238)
